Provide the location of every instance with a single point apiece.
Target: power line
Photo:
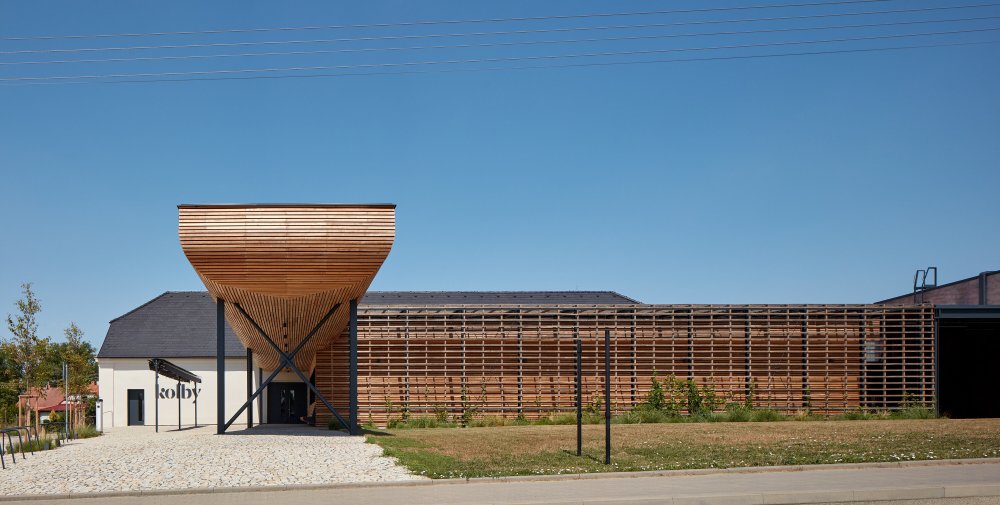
(447, 21)
(506, 32)
(526, 67)
(489, 60)
(501, 44)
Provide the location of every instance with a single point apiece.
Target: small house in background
(52, 399)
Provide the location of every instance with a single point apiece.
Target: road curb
(739, 499)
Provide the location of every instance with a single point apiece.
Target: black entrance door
(286, 402)
(136, 407)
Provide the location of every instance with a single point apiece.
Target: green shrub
(855, 415)
(563, 419)
(441, 413)
(489, 421)
(596, 405)
(738, 413)
(911, 408)
(913, 412)
(766, 415)
(655, 399)
(696, 401)
(333, 424)
(648, 416)
(87, 431)
(630, 417)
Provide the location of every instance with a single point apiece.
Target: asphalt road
(967, 483)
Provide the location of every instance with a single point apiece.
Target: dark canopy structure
(172, 371)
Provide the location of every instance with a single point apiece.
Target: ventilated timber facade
(520, 360)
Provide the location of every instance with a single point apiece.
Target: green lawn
(531, 450)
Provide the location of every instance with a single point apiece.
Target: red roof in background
(50, 398)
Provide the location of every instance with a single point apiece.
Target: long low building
(514, 354)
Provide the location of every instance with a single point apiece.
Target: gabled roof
(181, 324)
(176, 324)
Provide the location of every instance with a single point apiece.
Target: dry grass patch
(525, 450)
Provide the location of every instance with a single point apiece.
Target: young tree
(28, 350)
(79, 355)
(9, 380)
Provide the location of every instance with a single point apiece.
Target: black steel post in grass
(607, 397)
(579, 397)
(220, 365)
(352, 415)
(249, 387)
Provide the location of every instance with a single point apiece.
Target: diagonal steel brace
(286, 358)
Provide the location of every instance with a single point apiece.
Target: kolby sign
(181, 390)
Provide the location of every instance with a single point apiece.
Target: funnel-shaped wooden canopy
(287, 265)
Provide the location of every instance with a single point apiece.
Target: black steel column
(250, 387)
(260, 398)
(607, 397)
(579, 397)
(353, 371)
(220, 365)
(178, 405)
(156, 398)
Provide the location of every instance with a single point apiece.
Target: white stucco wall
(117, 375)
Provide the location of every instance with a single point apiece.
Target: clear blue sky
(787, 180)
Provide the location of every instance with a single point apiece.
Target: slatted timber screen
(510, 361)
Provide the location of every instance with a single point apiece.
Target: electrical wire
(445, 22)
(497, 44)
(508, 32)
(526, 67)
(488, 60)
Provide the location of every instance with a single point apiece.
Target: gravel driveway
(136, 458)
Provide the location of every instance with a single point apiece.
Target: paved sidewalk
(857, 483)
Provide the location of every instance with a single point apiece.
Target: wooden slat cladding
(287, 266)
(510, 361)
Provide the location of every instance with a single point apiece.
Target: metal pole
(196, 404)
(249, 387)
(220, 365)
(156, 397)
(607, 397)
(579, 397)
(178, 405)
(66, 398)
(353, 372)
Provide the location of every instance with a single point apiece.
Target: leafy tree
(28, 350)
(79, 355)
(10, 378)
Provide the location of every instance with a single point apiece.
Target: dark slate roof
(181, 324)
(177, 324)
(443, 298)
